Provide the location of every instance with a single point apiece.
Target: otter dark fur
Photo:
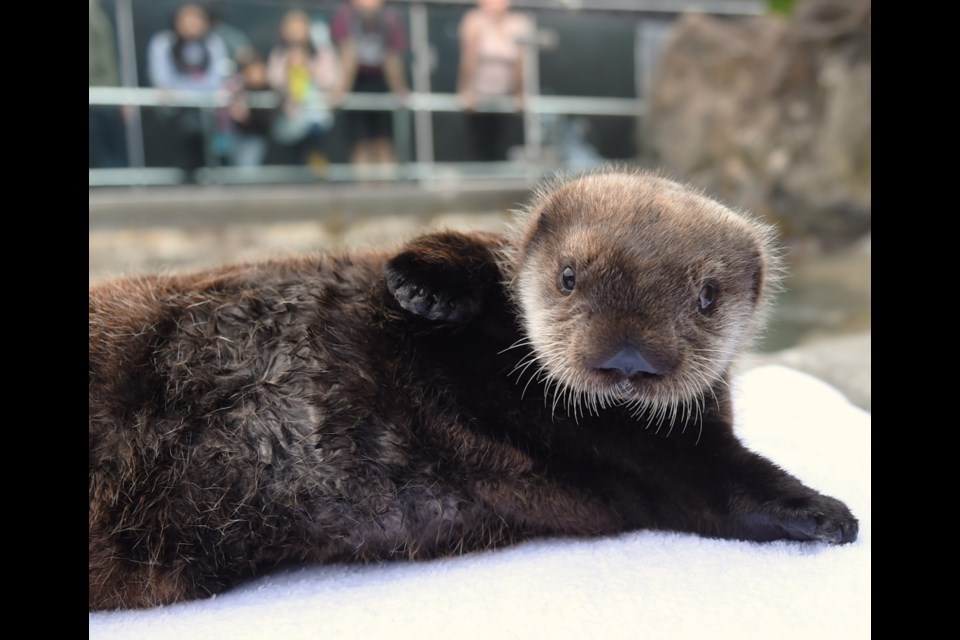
(453, 396)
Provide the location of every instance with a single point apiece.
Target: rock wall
(772, 114)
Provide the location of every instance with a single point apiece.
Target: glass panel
(253, 129)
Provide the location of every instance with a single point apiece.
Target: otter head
(636, 290)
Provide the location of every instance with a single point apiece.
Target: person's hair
(282, 41)
(252, 60)
(179, 43)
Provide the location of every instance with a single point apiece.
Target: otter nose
(629, 361)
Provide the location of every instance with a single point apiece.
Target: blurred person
(240, 51)
(249, 127)
(302, 68)
(239, 48)
(108, 144)
(372, 41)
(188, 57)
(491, 68)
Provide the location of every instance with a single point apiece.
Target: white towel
(646, 585)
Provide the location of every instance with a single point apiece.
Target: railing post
(532, 136)
(422, 58)
(128, 76)
(532, 125)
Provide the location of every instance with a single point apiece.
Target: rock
(843, 361)
(823, 295)
(772, 115)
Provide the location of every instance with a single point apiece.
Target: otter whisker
(522, 342)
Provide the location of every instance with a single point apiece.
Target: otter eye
(568, 279)
(708, 294)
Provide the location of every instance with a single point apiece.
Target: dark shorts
(368, 125)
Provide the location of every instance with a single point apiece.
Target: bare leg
(383, 151)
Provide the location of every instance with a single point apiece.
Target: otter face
(635, 290)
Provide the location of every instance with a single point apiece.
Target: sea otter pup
(466, 392)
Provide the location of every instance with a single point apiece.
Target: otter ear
(767, 269)
(444, 277)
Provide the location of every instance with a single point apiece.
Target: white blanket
(639, 585)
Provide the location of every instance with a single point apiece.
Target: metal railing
(564, 105)
(413, 125)
(669, 7)
(419, 170)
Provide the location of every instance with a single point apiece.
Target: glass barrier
(271, 92)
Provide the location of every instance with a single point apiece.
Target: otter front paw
(433, 300)
(444, 276)
(820, 518)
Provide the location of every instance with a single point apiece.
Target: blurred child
(302, 68)
(249, 127)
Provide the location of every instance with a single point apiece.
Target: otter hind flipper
(444, 277)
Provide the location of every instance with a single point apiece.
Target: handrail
(432, 171)
(668, 7)
(717, 7)
(425, 172)
(447, 102)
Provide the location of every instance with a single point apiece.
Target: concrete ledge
(194, 207)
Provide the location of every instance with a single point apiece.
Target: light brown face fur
(642, 249)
